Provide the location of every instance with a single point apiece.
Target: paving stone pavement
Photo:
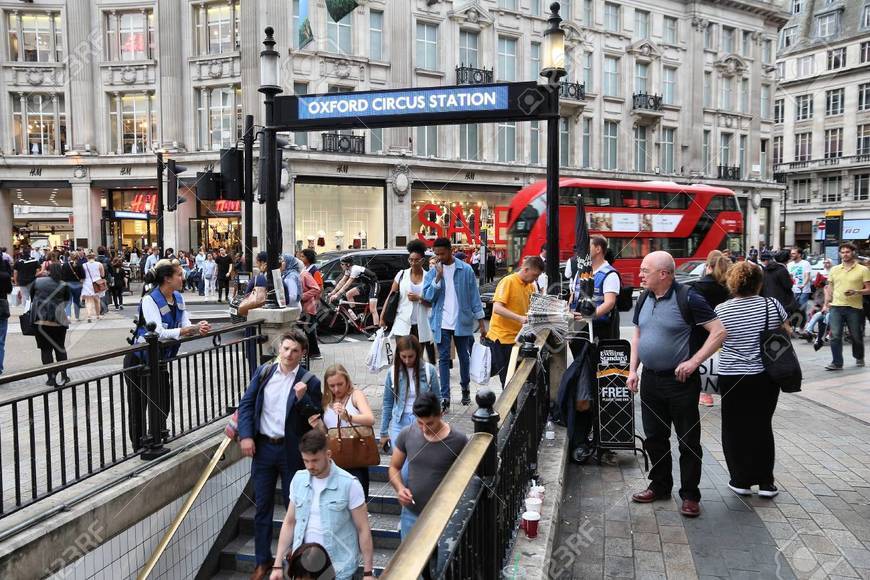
(818, 527)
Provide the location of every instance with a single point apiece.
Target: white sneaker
(768, 491)
(740, 490)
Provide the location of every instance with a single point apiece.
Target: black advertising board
(521, 101)
(615, 400)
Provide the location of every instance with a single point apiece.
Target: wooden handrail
(514, 387)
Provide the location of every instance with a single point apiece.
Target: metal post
(160, 210)
(784, 217)
(485, 420)
(553, 279)
(270, 180)
(155, 395)
(249, 193)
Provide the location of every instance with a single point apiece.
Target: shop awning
(856, 229)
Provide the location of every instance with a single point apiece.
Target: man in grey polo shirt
(671, 382)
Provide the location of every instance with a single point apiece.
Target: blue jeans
(406, 522)
(395, 429)
(269, 462)
(439, 557)
(842, 316)
(75, 299)
(463, 350)
(801, 299)
(4, 326)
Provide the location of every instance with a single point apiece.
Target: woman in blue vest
(164, 306)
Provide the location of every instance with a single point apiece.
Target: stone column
(6, 218)
(87, 212)
(171, 58)
(85, 45)
(695, 53)
(399, 40)
(251, 36)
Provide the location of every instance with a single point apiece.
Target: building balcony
(729, 172)
(647, 108)
(572, 91)
(341, 143)
(844, 161)
(469, 75)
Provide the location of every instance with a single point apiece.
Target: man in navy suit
(273, 416)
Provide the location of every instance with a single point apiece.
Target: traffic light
(173, 170)
(232, 161)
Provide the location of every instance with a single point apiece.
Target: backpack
(699, 334)
(624, 301)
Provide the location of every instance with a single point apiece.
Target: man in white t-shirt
(800, 272)
(323, 484)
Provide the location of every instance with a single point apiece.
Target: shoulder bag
(26, 320)
(99, 284)
(392, 306)
(353, 447)
(778, 355)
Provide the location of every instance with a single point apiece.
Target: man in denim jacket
(327, 507)
(451, 288)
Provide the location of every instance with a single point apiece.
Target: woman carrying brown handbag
(347, 405)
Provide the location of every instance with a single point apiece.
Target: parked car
(690, 271)
(384, 263)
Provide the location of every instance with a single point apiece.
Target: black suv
(384, 263)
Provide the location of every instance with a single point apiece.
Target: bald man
(671, 350)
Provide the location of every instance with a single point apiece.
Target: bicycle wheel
(332, 327)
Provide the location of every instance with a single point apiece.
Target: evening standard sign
(410, 107)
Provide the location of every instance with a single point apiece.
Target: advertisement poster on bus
(633, 222)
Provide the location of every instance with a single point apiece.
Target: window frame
(835, 102)
(668, 151)
(804, 105)
(376, 36)
(610, 140)
(837, 58)
(339, 32)
(834, 143)
(824, 18)
(51, 110)
(612, 77)
(504, 57)
(612, 17)
(670, 34)
(803, 146)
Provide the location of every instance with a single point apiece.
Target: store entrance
(128, 232)
(216, 232)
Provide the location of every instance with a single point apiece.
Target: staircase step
(382, 498)
(385, 527)
(238, 557)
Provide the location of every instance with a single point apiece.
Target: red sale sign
(459, 223)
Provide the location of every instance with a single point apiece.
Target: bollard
(154, 447)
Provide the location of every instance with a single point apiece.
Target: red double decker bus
(636, 217)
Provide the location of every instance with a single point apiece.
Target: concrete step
(239, 557)
(385, 527)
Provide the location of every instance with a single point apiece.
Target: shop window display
(340, 216)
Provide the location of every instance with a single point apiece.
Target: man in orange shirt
(510, 304)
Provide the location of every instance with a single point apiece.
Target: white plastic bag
(481, 359)
(380, 354)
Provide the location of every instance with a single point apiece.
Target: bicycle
(334, 321)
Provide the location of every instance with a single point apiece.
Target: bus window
(730, 203)
(676, 247)
(629, 198)
(675, 200)
(626, 247)
(722, 203)
(600, 197)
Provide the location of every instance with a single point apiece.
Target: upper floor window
(587, 71)
(765, 101)
(376, 35)
(670, 33)
(865, 17)
(787, 36)
(708, 89)
(669, 85)
(611, 76)
(535, 60)
(726, 89)
(803, 107)
(219, 117)
(132, 122)
(710, 37)
(612, 17)
(641, 24)
(864, 97)
(468, 43)
(536, 7)
(588, 13)
(864, 52)
(427, 46)
(862, 187)
(130, 35)
(339, 35)
(796, 6)
(767, 52)
(827, 24)
(507, 4)
(780, 70)
(746, 44)
(832, 191)
(610, 151)
(35, 37)
(802, 191)
(836, 58)
(834, 102)
(803, 146)
(777, 150)
(217, 27)
(863, 146)
(727, 39)
(507, 142)
(39, 124)
(641, 77)
(779, 111)
(507, 58)
(806, 66)
(834, 143)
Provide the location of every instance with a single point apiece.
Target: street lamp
(269, 179)
(553, 71)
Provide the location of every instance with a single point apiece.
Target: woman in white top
(748, 395)
(93, 271)
(412, 316)
(344, 405)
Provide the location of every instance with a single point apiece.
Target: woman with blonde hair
(712, 286)
(94, 273)
(344, 405)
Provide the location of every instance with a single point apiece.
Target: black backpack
(699, 334)
(624, 301)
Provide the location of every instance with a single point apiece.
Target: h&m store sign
(432, 218)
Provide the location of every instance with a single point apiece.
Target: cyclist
(358, 281)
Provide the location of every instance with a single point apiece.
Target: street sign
(416, 106)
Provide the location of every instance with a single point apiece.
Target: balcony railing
(647, 102)
(469, 75)
(340, 143)
(824, 162)
(729, 172)
(573, 91)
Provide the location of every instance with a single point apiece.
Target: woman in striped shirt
(748, 395)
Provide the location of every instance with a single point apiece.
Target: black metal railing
(860, 158)
(647, 102)
(341, 143)
(572, 91)
(779, 177)
(485, 489)
(56, 437)
(729, 172)
(469, 75)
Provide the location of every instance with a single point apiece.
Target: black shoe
(466, 398)
(768, 491)
(52, 381)
(445, 406)
(64, 379)
(581, 454)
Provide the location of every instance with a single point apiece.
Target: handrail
(426, 532)
(185, 509)
(512, 390)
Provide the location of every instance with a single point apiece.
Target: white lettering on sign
(615, 393)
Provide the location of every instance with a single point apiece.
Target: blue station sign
(408, 107)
